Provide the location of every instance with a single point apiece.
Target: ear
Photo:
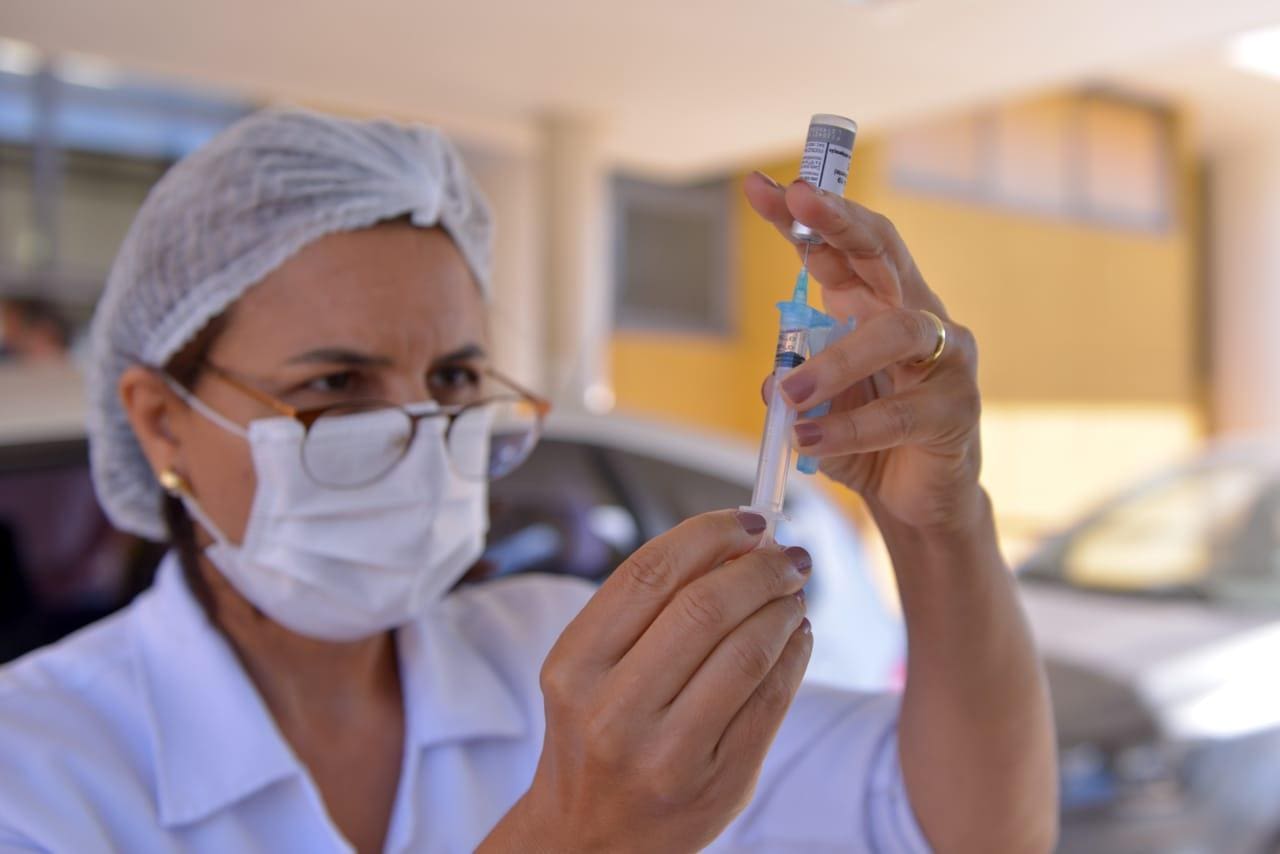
(153, 410)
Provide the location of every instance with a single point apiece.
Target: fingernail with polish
(800, 596)
(799, 559)
(752, 523)
(806, 627)
(798, 387)
(771, 182)
(807, 433)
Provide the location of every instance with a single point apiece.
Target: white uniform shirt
(143, 733)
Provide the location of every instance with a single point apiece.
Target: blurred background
(1093, 187)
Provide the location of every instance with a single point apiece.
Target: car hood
(1197, 668)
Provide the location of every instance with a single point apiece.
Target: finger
(921, 416)
(641, 587)
(750, 734)
(706, 612)
(889, 338)
(871, 244)
(858, 394)
(768, 198)
(734, 671)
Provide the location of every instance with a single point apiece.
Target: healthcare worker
(290, 384)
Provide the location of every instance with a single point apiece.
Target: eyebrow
(339, 356)
(352, 358)
(462, 354)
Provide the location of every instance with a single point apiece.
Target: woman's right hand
(665, 693)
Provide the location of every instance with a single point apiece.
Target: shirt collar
(215, 742)
(214, 739)
(455, 687)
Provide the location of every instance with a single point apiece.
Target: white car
(1158, 616)
(594, 489)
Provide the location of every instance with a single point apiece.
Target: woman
(291, 384)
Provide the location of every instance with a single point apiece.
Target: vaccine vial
(827, 151)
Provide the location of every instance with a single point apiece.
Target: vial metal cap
(804, 234)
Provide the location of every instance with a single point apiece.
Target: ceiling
(1233, 108)
(674, 86)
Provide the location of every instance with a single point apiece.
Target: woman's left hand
(902, 431)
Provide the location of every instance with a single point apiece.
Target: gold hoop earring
(174, 483)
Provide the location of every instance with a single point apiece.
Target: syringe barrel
(775, 452)
(828, 148)
(775, 447)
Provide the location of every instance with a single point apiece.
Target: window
(1095, 157)
(944, 157)
(672, 255)
(1031, 156)
(80, 147)
(1124, 163)
(70, 249)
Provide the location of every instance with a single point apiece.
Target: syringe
(775, 447)
(804, 330)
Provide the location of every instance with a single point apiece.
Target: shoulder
(528, 605)
(831, 781)
(519, 616)
(71, 720)
(74, 672)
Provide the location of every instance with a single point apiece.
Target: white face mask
(344, 564)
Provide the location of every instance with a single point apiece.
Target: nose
(404, 389)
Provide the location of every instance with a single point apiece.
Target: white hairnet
(222, 219)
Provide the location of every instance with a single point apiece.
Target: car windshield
(1211, 531)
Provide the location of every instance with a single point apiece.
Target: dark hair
(185, 367)
(43, 313)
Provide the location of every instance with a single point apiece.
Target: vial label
(827, 153)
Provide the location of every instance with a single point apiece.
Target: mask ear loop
(177, 486)
(174, 483)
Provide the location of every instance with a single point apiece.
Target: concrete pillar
(576, 227)
(1244, 210)
(517, 317)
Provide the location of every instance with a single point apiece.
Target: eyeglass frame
(308, 416)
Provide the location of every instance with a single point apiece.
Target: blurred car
(592, 492)
(1159, 619)
(596, 488)
(62, 564)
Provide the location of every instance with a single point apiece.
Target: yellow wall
(1078, 325)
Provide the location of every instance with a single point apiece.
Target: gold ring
(932, 359)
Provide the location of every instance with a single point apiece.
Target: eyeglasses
(355, 443)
